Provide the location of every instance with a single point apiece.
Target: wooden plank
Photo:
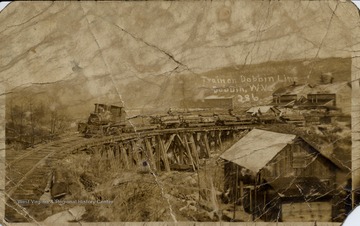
(219, 140)
(199, 145)
(167, 146)
(176, 152)
(118, 156)
(181, 154)
(180, 139)
(138, 151)
(189, 152)
(194, 150)
(155, 146)
(236, 190)
(163, 153)
(206, 142)
(132, 156)
(182, 148)
(241, 192)
(150, 154)
(135, 152)
(143, 150)
(251, 204)
(110, 151)
(110, 156)
(124, 156)
(168, 143)
(158, 155)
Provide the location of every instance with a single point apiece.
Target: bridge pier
(181, 150)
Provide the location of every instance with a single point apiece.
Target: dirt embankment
(109, 193)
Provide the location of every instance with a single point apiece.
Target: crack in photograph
(180, 111)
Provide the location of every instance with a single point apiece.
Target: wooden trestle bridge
(159, 150)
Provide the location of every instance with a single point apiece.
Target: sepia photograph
(180, 112)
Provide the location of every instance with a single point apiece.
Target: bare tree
(15, 124)
(57, 122)
(36, 115)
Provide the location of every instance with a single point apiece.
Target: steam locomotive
(105, 120)
(111, 120)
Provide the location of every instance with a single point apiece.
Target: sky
(354, 217)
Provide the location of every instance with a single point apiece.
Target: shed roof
(257, 148)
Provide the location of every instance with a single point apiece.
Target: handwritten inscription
(239, 89)
(247, 98)
(247, 88)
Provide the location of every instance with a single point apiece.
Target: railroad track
(28, 173)
(13, 158)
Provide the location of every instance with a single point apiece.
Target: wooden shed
(280, 177)
(332, 95)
